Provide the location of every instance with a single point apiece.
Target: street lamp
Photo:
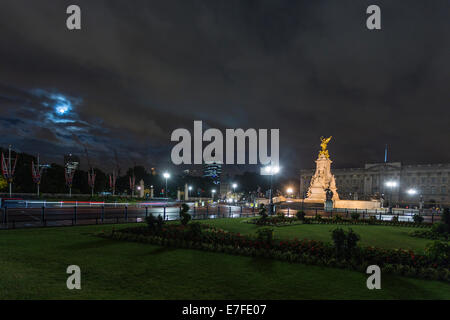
(166, 176)
(271, 170)
(213, 191)
(289, 191)
(391, 185)
(189, 190)
(234, 185)
(411, 192)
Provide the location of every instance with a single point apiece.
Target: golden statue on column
(324, 145)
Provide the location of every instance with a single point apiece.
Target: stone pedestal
(186, 192)
(322, 180)
(328, 205)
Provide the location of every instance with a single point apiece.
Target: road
(67, 215)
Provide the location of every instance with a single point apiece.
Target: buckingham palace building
(390, 180)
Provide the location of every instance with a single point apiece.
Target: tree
(53, 181)
(185, 217)
(3, 183)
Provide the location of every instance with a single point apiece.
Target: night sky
(140, 69)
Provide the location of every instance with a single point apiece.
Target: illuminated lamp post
(166, 176)
(271, 170)
(234, 186)
(289, 191)
(391, 185)
(411, 192)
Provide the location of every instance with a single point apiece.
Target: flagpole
(38, 168)
(9, 169)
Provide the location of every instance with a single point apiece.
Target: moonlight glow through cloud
(59, 107)
(62, 105)
(62, 109)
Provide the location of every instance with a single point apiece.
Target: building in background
(427, 181)
(71, 162)
(212, 170)
(193, 172)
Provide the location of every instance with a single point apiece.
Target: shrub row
(282, 220)
(204, 237)
(430, 234)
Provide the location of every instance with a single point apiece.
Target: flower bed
(205, 237)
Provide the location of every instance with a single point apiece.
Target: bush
(185, 217)
(155, 224)
(417, 218)
(430, 234)
(300, 215)
(338, 235)
(265, 235)
(344, 242)
(438, 251)
(440, 228)
(372, 220)
(446, 217)
(196, 229)
(352, 240)
(394, 219)
(318, 217)
(280, 214)
(355, 215)
(263, 211)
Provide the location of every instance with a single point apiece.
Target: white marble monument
(323, 179)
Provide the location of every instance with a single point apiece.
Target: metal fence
(83, 215)
(100, 214)
(429, 215)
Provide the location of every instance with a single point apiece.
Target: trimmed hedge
(430, 234)
(278, 221)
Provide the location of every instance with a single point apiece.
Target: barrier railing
(103, 214)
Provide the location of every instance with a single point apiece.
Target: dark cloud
(139, 69)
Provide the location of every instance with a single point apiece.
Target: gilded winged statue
(324, 144)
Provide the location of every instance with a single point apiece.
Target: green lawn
(377, 236)
(33, 264)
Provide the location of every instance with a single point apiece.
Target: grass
(378, 236)
(33, 266)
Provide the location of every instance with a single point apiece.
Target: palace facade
(431, 182)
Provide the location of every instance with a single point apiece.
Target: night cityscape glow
(225, 159)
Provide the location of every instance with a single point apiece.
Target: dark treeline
(53, 181)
